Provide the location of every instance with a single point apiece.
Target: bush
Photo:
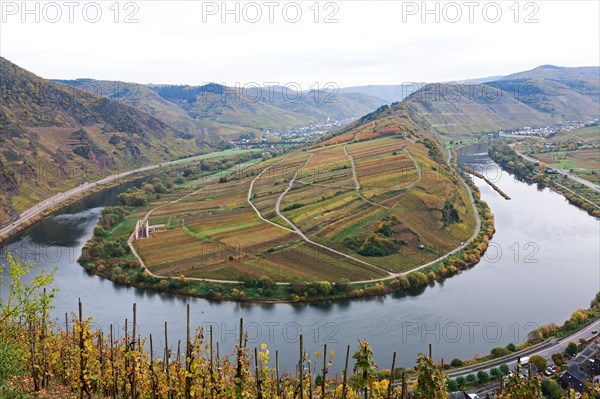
(539, 362)
(321, 287)
(495, 373)
(571, 349)
(511, 347)
(499, 352)
(417, 279)
(558, 359)
(551, 389)
(504, 369)
(452, 386)
(456, 363)
(471, 379)
(483, 377)
(342, 285)
(461, 381)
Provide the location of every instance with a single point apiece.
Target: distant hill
(543, 96)
(557, 73)
(54, 136)
(389, 93)
(216, 112)
(147, 100)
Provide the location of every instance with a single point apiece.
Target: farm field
(365, 210)
(577, 151)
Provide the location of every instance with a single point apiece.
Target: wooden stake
(324, 371)
(301, 367)
(257, 371)
(112, 364)
(345, 381)
(133, 337)
(212, 375)
(404, 387)
(277, 371)
(188, 357)
(390, 387)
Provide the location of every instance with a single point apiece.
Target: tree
(511, 347)
(539, 362)
(499, 352)
(471, 379)
(551, 389)
(456, 363)
(495, 373)
(461, 381)
(365, 369)
(482, 377)
(504, 369)
(343, 285)
(558, 359)
(431, 382)
(452, 386)
(571, 349)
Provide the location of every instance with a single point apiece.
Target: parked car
(549, 371)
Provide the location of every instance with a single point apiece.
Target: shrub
(482, 377)
(456, 363)
(452, 386)
(499, 352)
(558, 359)
(495, 373)
(551, 389)
(539, 362)
(471, 379)
(343, 285)
(571, 349)
(417, 279)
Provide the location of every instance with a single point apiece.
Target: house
(574, 378)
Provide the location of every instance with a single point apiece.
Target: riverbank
(531, 172)
(53, 204)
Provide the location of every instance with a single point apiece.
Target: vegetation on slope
(55, 138)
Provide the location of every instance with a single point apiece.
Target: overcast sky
(374, 42)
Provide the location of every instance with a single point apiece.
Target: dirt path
(296, 230)
(304, 237)
(357, 186)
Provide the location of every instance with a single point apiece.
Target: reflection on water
(540, 244)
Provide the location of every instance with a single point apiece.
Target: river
(541, 266)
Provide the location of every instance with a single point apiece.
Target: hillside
(55, 137)
(149, 101)
(375, 201)
(544, 96)
(215, 112)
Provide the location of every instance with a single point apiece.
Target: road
(62, 197)
(546, 351)
(564, 172)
